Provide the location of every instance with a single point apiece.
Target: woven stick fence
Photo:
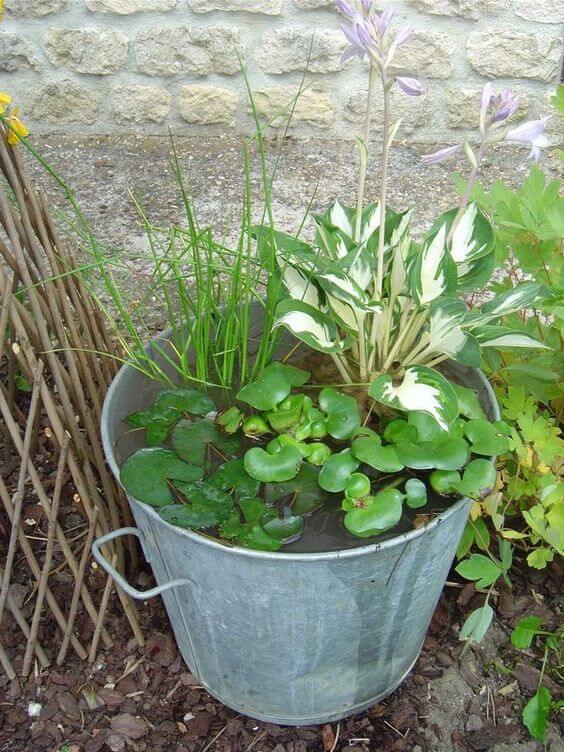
(51, 331)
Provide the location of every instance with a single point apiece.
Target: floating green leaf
(304, 490)
(146, 475)
(343, 415)
(273, 468)
(255, 425)
(206, 496)
(191, 440)
(380, 513)
(255, 510)
(468, 402)
(448, 455)
(284, 528)
(358, 486)
(478, 479)
(255, 536)
(188, 516)
(382, 458)
(486, 438)
(230, 420)
(337, 470)
(416, 493)
(318, 453)
(272, 386)
(401, 430)
(444, 482)
(428, 429)
(185, 401)
(231, 476)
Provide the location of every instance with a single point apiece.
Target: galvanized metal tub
(292, 639)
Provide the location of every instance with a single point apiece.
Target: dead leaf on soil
(128, 725)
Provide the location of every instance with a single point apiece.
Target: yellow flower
(4, 98)
(20, 129)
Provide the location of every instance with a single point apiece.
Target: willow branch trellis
(51, 333)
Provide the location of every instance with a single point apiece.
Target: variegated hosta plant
(389, 308)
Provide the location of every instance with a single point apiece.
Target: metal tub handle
(118, 578)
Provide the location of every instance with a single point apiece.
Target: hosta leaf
(477, 624)
(337, 470)
(343, 415)
(343, 287)
(358, 265)
(273, 468)
(146, 475)
(231, 476)
(446, 335)
(191, 439)
(476, 274)
(300, 287)
(381, 512)
(422, 389)
(272, 386)
(536, 712)
(501, 337)
(472, 238)
(341, 219)
(518, 298)
(433, 272)
(313, 327)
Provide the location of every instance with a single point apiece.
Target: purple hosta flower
(368, 31)
(441, 155)
(410, 86)
(496, 108)
(359, 38)
(532, 133)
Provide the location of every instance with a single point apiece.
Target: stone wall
(103, 66)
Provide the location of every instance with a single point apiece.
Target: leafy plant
(541, 705)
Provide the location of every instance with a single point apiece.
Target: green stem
(364, 154)
(468, 192)
(383, 186)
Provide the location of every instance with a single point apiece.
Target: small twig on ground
(216, 737)
(53, 512)
(102, 613)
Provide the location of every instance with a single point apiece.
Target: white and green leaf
(518, 298)
(502, 337)
(446, 335)
(315, 328)
(433, 272)
(300, 287)
(422, 389)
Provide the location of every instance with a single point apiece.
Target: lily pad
(191, 440)
(231, 476)
(401, 430)
(273, 468)
(337, 470)
(318, 453)
(204, 495)
(146, 475)
(254, 536)
(449, 455)
(427, 427)
(188, 516)
(468, 402)
(382, 458)
(185, 401)
(486, 438)
(230, 419)
(255, 510)
(304, 488)
(284, 528)
(157, 421)
(478, 479)
(343, 415)
(444, 482)
(272, 386)
(381, 512)
(416, 493)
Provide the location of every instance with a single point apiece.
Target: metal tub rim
(195, 537)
